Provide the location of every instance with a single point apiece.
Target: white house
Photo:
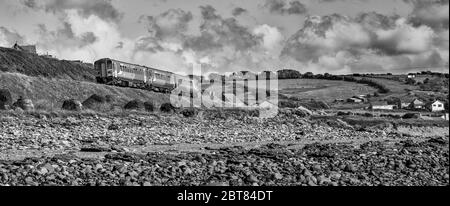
(436, 106)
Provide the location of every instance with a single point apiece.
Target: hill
(51, 92)
(30, 64)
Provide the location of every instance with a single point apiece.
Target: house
(27, 48)
(416, 104)
(382, 105)
(435, 106)
(405, 104)
(363, 99)
(354, 100)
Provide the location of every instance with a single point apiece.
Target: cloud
(369, 40)
(100, 8)
(8, 37)
(272, 37)
(219, 32)
(281, 7)
(173, 22)
(238, 11)
(64, 37)
(433, 13)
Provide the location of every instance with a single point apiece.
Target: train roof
(134, 65)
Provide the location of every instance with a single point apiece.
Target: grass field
(326, 90)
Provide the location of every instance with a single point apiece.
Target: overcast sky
(335, 36)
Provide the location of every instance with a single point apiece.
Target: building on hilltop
(25, 48)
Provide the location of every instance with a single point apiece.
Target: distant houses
(411, 76)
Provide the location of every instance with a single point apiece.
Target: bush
(134, 104)
(368, 114)
(94, 101)
(167, 107)
(189, 112)
(72, 105)
(5, 98)
(288, 104)
(410, 116)
(341, 113)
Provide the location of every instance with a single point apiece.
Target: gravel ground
(22, 132)
(142, 149)
(373, 163)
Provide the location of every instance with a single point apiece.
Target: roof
(417, 102)
(379, 103)
(355, 99)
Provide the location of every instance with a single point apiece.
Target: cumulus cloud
(101, 8)
(369, 40)
(433, 13)
(238, 11)
(64, 37)
(8, 37)
(282, 7)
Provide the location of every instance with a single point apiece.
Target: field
(325, 90)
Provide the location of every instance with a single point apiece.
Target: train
(119, 73)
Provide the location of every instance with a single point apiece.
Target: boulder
(23, 103)
(5, 99)
(72, 105)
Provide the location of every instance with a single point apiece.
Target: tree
(288, 74)
(308, 75)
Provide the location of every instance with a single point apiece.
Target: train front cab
(104, 68)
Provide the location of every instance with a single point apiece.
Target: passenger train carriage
(124, 74)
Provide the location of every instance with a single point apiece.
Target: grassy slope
(54, 91)
(34, 65)
(326, 90)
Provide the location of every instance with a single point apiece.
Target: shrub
(94, 101)
(368, 114)
(72, 105)
(287, 104)
(410, 116)
(189, 112)
(5, 98)
(134, 104)
(167, 107)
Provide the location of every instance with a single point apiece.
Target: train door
(103, 68)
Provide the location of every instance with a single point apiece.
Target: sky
(334, 36)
